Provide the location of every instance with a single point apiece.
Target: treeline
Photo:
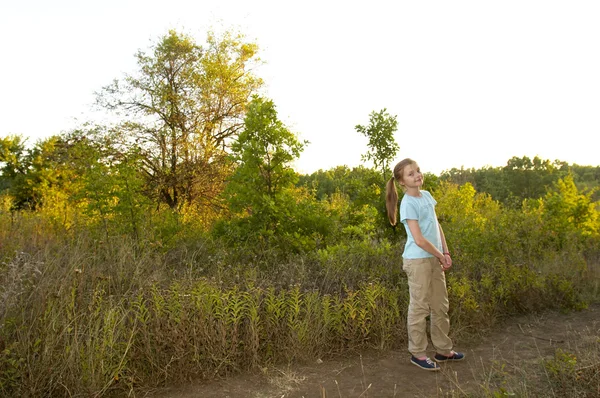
(180, 243)
(525, 178)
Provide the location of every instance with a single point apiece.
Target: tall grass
(84, 316)
(95, 314)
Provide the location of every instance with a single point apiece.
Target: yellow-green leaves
(182, 108)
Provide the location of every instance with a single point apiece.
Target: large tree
(182, 107)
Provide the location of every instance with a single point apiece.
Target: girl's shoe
(426, 363)
(456, 356)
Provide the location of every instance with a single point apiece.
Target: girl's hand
(447, 262)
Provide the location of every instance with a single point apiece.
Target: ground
(516, 344)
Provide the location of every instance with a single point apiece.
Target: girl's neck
(416, 192)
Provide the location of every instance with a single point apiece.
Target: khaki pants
(428, 296)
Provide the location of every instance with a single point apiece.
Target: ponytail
(391, 200)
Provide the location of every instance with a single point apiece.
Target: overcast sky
(473, 83)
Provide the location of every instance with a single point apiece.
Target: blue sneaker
(426, 363)
(456, 356)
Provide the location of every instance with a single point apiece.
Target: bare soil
(516, 344)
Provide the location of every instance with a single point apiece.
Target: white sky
(473, 83)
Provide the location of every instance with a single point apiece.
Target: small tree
(266, 204)
(570, 211)
(13, 163)
(382, 145)
(263, 153)
(113, 188)
(38, 176)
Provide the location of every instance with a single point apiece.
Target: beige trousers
(428, 297)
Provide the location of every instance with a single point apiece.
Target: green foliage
(355, 198)
(362, 185)
(184, 106)
(382, 144)
(263, 153)
(111, 191)
(266, 205)
(524, 178)
(504, 262)
(12, 158)
(587, 178)
(566, 210)
(120, 315)
(38, 176)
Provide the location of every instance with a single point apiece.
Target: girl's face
(412, 176)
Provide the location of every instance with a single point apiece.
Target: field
(128, 304)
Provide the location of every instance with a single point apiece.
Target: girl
(425, 258)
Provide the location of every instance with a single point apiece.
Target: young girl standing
(425, 258)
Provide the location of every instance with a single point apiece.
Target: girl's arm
(425, 244)
(446, 252)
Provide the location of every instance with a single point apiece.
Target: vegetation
(382, 145)
(179, 243)
(525, 178)
(183, 107)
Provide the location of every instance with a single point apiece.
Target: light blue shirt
(421, 209)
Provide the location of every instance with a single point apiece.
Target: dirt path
(519, 342)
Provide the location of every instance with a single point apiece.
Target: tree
(184, 106)
(36, 176)
(263, 154)
(262, 195)
(529, 178)
(111, 189)
(567, 210)
(12, 158)
(382, 145)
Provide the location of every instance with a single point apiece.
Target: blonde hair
(391, 194)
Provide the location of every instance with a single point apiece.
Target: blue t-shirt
(421, 209)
